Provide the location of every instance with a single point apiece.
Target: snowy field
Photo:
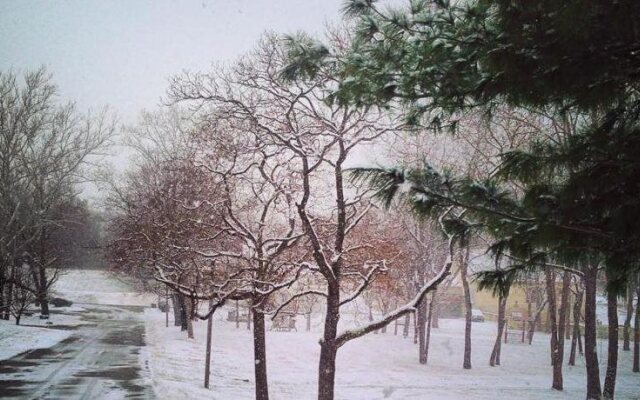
(380, 366)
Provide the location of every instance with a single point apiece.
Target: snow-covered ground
(83, 287)
(380, 366)
(18, 339)
(98, 287)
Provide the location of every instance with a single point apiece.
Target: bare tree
(319, 136)
(44, 148)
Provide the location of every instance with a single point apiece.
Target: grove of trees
(44, 225)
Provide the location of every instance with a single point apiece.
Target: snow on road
(94, 349)
(82, 287)
(380, 366)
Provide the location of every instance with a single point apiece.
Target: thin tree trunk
(422, 331)
(594, 390)
(7, 311)
(536, 319)
(435, 323)
(636, 332)
(612, 351)
(238, 315)
(577, 310)
(308, 321)
(249, 317)
(42, 292)
(428, 339)
(328, 347)
(626, 335)
(580, 346)
(184, 315)
(371, 318)
(385, 309)
(177, 310)
(567, 330)
(188, 307)
(415, 327)
(4, 305)
(407, 323)
(564, 314)
(260, 356)
(207, 362)
(166, 309)
(495, 353)
(556, 361)
(464, 263)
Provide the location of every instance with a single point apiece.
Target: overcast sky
(120, 53)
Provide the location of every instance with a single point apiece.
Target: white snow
(98, 287)
(18, 339)
(381, 366)
(376, 366)
(79, 286)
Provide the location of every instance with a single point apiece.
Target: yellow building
(522, 304)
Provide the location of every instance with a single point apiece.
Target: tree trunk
(238, 315)
(188, 309)
(43, 298)
(577, 310)
(177, 310)
(556, 336)
(464, 263)
(612, 351)
(371, 318)
(184, 316)
(580, 347)
(435, 323)
(567, 331)
(594, 390)
(166, 310)
(428, 339)
(405, 328)
(533, 323)
(249, 317)
(34, 277)
(3, 304)
(636, 332)
(626, 335)
(495, 353)
(260, 356)
(328, 347)
(422, 331)
(207, 362)
(9, 298)
(564, 321)
(309, 322)
(415, 327)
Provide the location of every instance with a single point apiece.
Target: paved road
(101, 360)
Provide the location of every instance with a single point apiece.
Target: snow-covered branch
(410, 307)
